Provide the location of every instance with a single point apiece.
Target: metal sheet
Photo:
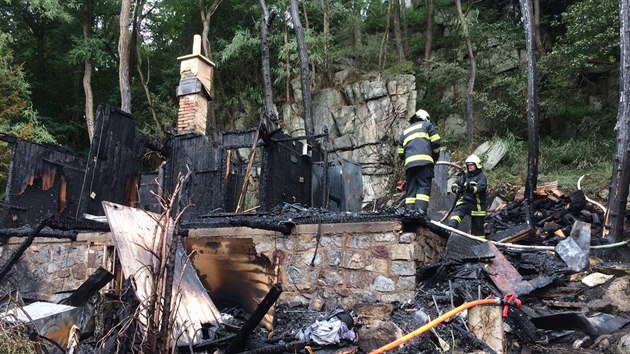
(345, 180)
(53, 321)
(134, 233)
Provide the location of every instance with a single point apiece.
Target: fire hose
(458, 194)
(506, 302)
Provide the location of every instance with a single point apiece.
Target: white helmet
(422, 114)
(475, 160)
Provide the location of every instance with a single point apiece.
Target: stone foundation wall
(353, 263)
(53, 265)
(331, 264)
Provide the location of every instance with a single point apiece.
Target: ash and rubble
(560, 313)
(588, 318)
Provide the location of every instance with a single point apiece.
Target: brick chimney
(194, 89)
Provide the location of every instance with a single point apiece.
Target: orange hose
(434, 323)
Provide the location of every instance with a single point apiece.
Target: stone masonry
(353, 263)
(53, 265)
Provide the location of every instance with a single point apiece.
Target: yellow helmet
(475, 160)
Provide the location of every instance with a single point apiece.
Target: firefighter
(419, 148)
(471, 189)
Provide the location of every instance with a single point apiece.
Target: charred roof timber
(47, 179)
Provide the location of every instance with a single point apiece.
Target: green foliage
(14, 90)
(591, 38)
(562, 160)
(16, 114)
(92, 49)
(442, 77)
(51, 9)
(501, 98)
(243, 45)
(14, 340)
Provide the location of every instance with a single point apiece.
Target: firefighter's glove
(455, 188)
(400, 186)
(471, 188)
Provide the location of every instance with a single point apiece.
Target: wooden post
(250, 163)
(304, 73)
(254, 319)
(486, 323)
(23, 247)
(614, 218)
(532, 110)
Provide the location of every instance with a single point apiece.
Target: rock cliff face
(364, 118)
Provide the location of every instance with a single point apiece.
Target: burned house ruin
(72, 226)
(335, 254)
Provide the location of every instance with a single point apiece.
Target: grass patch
(562, 160)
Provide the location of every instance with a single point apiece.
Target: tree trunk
(405, 25)
(356, 27)
(145, 82)
(614, 218)
(381, 52)
(287, 62)
(206, 15)
(532, 110)
(397, 32)
(473, 72)
(124, 41)
(537, 35)
(326, 33)
(269, 114)
(307, 27)
(304, 73)
(428, 36)
(88, 19)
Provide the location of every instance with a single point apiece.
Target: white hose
(515, 246)
(589, 199)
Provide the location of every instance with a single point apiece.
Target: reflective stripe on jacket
(419, 144)
(475, 191)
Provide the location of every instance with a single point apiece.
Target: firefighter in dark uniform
(471, 188)
(419, 147)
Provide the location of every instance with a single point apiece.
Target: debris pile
(545, 287)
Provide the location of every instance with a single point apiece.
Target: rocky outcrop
(364, 118)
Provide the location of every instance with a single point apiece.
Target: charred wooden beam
(254, 319)
(238, 138)
(284, 227)
(18, 253)
(292, 347)
(114, 163)
(512, 234)
(61, 223)
(27, 231)
(285, 222)
(301, 137)
(91, 286)
(10, 206)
